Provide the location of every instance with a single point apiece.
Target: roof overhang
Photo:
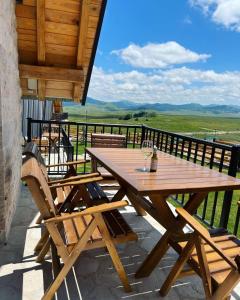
(57, 43)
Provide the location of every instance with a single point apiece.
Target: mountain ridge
(160, 107)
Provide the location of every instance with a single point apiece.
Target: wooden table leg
(119, 195)
(171, 223)
(140, 211)
(154, 257)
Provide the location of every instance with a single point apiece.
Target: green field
(205, 127)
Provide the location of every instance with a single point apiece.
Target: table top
(174, 175)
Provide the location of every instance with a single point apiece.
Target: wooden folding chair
(215, 259)
(58, 192)
(74, 232)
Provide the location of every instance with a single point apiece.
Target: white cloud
(158, 55)
(224, 12)
(179, 85)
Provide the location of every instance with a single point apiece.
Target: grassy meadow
(205, 127)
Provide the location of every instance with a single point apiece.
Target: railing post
(29, 130)
(171, 145)
(143, 133)
(227, 201)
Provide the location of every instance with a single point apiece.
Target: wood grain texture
(50, 73)
(57, 33)
(174, 175)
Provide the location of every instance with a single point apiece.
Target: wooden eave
(57, 42)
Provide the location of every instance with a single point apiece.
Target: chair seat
(218, 267)
(118, 228)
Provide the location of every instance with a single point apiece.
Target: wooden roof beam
(51, 73)
(83, 27)
(41, 48)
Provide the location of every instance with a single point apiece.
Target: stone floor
(93, 276)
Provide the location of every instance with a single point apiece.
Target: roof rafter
(51, 73)
(83, 27)
(41, 49)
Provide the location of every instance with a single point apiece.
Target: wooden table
(53, 137)
(174, 176)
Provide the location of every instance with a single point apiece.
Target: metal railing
(219, 209)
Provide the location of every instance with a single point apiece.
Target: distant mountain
(159, 107)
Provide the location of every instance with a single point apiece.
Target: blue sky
(169, 51)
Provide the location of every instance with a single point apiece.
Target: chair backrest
(31, 149)
(104, 140)
(33, 175)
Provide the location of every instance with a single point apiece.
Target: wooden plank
(26, 31)
(25, 11)
(50, 73)
(60, 60)
(27, 57)
(41, 31)
(61, 39)
(24, 83)
(61, 50)
(54, 93)
(62, 28)
(26, 45)
(59, 85)
(94, 10)
(56, 16)
(26, 23)
(83, 27)
(41, 89)
(27, 92)
(27, 37)
(62, 17)
(62, 5)
(91, 32)
(41, 49)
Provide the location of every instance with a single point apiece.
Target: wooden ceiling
(57, 41)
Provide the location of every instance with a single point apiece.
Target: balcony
(93, 277)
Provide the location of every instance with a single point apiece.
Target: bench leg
(113, 252)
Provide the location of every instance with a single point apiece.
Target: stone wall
(10, 117)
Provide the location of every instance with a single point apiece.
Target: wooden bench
(95, 226)
(106, 140)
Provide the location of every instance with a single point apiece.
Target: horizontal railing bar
(192, 139)
(84, 123)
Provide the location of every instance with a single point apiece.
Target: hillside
(93, 106)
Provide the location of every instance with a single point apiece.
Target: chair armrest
(89, 211)
(203, 232)
(69, 163)
(73, 178)
(78, 182)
